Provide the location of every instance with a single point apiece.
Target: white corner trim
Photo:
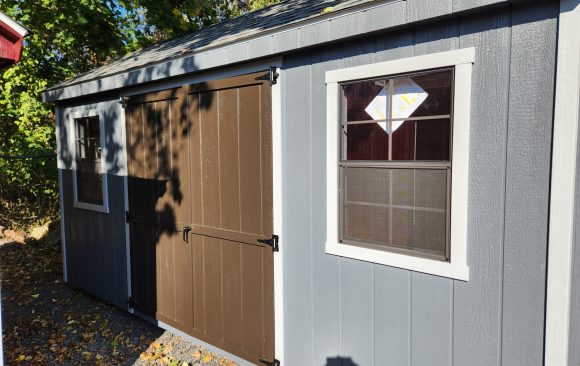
(429, 61)
(62, 227)
(462, 60)
(104, 208)
(12, 24)
(123, 122)
(563, 186)
(278, 214)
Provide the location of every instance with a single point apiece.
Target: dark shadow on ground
(47, 322)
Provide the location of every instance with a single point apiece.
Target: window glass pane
(89, 177)
(358, 96)
(397, 208)
(366, 142)
(422, 140)
(437, 86)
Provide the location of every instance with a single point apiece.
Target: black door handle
(186, 230)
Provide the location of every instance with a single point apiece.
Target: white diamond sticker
(407, 97)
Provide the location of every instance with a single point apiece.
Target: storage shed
(359, 182)
(11, 40)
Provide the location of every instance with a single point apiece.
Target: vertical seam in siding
(502, 251)
(170, 178)
(311, 203)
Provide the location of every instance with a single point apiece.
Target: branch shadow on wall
(157, 135)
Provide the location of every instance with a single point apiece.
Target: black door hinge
(127, 216)
(271, 76)
(131, 303)
(274, 362)
(271, 242)
(123, 101)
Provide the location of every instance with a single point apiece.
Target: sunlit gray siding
(341, 310)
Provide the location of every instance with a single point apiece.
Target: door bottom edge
(240, 361)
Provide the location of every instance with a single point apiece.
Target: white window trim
(73, 149)
(462, 60)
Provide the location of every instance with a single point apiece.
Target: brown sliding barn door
(231, 193)
(200, 198)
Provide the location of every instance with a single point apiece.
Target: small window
(90, 186)
(398, 146)
(395, 164)
(88, 145)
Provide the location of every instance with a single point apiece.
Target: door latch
(186, 230)
(271, 242)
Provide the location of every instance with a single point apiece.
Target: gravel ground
(47, 322)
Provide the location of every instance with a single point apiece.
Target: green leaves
(68, 38)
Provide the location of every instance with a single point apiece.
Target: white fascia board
(563, 186)
(23, 32)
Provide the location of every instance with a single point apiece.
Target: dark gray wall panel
(95, 241)
(95, 244)
(527, 180)
(368, 314)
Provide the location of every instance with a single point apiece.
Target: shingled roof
(251, 25)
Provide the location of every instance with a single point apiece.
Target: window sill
(91, 207)
(438, 268)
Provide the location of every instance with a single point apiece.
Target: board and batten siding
(340, 311)
(96, 259)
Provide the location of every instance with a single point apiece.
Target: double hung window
(392, 146)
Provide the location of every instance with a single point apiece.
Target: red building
(11, 39)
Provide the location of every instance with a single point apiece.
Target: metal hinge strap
(271, 76)
(127, 216)
(271, 242)
(131, 302)
(274, 362)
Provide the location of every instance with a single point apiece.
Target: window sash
(89, 187)
(344, 164)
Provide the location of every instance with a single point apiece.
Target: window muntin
(89, 179)
(395, 170)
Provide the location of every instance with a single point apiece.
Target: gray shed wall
(574, 350)
(95, 241)
(339, 310)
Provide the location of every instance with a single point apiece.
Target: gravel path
(46, 322)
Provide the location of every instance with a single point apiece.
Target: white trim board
(563, 187)
(278, 213)
(462, 60)
(12, 24)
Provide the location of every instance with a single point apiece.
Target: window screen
(395, 163)
(88, 146)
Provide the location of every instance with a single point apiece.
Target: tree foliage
(69, 37)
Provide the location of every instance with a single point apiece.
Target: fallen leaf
(21, 358)
(35, 295)
(207, 358)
